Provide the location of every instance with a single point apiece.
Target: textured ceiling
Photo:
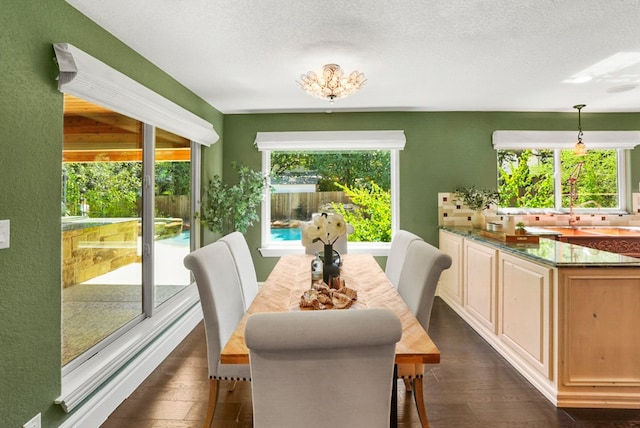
(418, 55)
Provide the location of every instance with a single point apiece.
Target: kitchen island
(567, 317)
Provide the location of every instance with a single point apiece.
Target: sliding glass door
(110, 243)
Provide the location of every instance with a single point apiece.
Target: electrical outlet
(35, 422)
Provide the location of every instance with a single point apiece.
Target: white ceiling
(418, 55)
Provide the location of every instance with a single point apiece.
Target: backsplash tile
(452, 213)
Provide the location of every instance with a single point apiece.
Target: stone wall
(92, 251)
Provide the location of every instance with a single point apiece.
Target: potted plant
(520, 230)
(477, 200)
(227, 208)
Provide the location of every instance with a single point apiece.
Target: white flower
(326, 228)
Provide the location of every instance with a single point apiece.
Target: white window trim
(88, 78)
(391, 140)
(521, 140)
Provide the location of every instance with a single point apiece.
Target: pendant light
(579, 149)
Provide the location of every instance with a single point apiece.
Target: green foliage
(477, 199)
(526, 178)
(173, 178)
(353, 168)
(371, 217)
(111, 189)
(226, 208)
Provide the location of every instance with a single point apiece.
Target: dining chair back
(397, 253)
(322, 368)
(218, 283)
(244, 263)
(418, 279)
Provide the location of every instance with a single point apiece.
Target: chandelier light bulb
(332, 83)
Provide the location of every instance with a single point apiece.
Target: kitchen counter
(550, 251)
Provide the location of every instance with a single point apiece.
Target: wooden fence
(300, 206)
(284, 206)
(174, 206)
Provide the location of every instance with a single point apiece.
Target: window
(130, 173)
(558, 180)
(538, 170)
(354, 173)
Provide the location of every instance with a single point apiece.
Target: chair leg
(407, 384)
(214, 386)
(419, 397)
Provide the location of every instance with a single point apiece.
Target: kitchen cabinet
(566, 317)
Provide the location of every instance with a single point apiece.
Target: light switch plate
(4, 234)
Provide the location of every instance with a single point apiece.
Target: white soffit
(331, 140)
(86, 77)
(520, 140)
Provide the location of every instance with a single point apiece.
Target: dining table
(291, 277)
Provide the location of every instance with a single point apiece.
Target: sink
(595, 231)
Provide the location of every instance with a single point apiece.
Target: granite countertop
(551, 252)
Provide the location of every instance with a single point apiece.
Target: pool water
(286, 234)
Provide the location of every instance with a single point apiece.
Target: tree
(227, 208)
(371, 216)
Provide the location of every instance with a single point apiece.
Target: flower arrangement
(477, 199)
(326, 228)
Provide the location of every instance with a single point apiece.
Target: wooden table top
(292, 276)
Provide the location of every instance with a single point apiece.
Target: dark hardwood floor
(472, 387)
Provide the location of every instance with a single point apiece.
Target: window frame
(98, 385)
(621, 163)
(622, 141)
(329, 141)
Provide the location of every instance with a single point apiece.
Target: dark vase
(330, 267)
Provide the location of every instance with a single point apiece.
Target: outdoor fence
(174, 206)
(300, 206)
(284, 206)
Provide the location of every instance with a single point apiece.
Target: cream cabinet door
(480, 283)
(525, 302)
(450, 286)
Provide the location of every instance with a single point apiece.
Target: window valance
(331, 140)
(520, 140)
(86, 77)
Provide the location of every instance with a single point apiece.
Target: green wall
(443, 150)
(30, 156)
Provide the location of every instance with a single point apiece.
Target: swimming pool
(286, 234)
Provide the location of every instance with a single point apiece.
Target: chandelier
(579, 149)
(331, 83)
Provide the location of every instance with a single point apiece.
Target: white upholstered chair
(322, 368)
(417, 284)
(246, 270)
(218, 284)
(397, 253)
